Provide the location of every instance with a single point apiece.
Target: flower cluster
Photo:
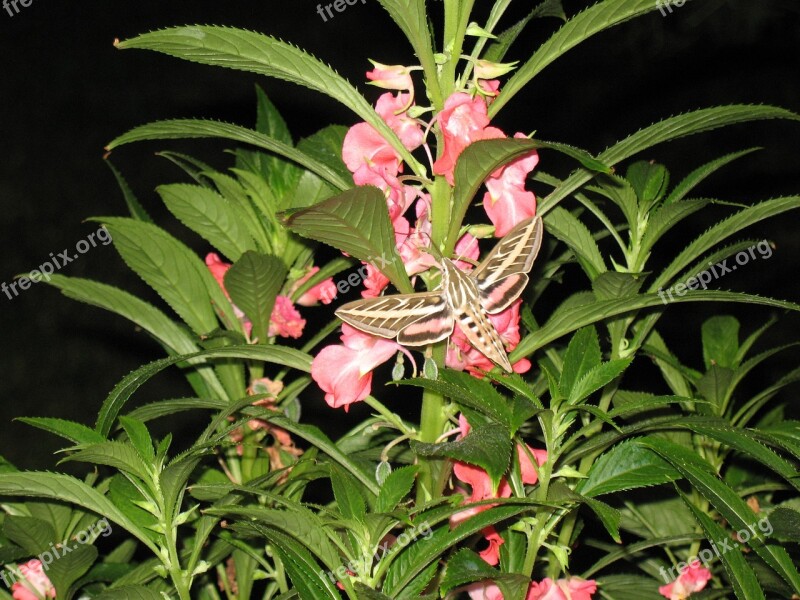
(344, 371)
(34, 583)
(573, 588)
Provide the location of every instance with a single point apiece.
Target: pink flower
(345, 372)
(285, 321)
(375, 282)
(467, 247)
(218, 269)
(492, 553)
(484, 590)
(463, 120)
(693, 578)
(390, 77)
(463, 356)
(573, 588)
(324, 291)
(363, 148)
(392, 109)
(508, 202)
(36, 584)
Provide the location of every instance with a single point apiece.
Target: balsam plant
(569, 478)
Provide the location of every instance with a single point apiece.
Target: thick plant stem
(432, 423)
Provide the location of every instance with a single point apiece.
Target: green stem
(432, 423)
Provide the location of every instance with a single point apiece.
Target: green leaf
(664, 219)
(582, 355)
(194, 168)
(487, 446)
(727, 502)
(264, 55)
(198, 128)
(480, 395)
(345, 490)
(70, 567)
(498, 48)
(122, 392)
(723, 230)
(465, 567)
(597, 377)
(32, 534)
(139, 436)
(579, 28)
(117, 455)
(356, 222)
(134, 207)
(629, 587)
(741, 576)
(325, 147)
(253, 283)
(302, 569)
(130, 592)
(366, 593)
(720, 341)
(626, 466)
(669, 129)
(785, 524)
(567, 228)
(74, 432)
(575, 317)
(171, 269)
(65, 488)
(649, 180)
(280, 175)
(209, 215)
(694, 178)
(315, 436)
(395, 488)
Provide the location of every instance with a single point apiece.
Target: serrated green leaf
(122, 392)
(253, 283)
(172, 270)
(209, 215)
(741, 576)
(117, 455)
(669, 129)
(575, 317)
(257, 53)
(139, 436)
(134, 207)
(65, 488)
(69, 430)
(624, 467)
(198, 128)
(567, 228)
(720, 341)
(32, 534)
(70, 567)
(582, 355)
(356, 222)
(487, 446)
(130, 592)
(395, 488)
(345, 490)
(629, 587)
(688, 183)
(579, 28)
(727, 502)
(596, 378)
(465, 567)
(547, 8)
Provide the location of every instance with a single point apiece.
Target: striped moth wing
(503, 274)
(415, 319)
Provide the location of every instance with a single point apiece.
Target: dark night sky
(66, 92)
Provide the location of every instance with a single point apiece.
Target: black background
(66, 92)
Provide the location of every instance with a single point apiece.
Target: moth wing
(513, 254)
(498, 295)
(415, 319)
